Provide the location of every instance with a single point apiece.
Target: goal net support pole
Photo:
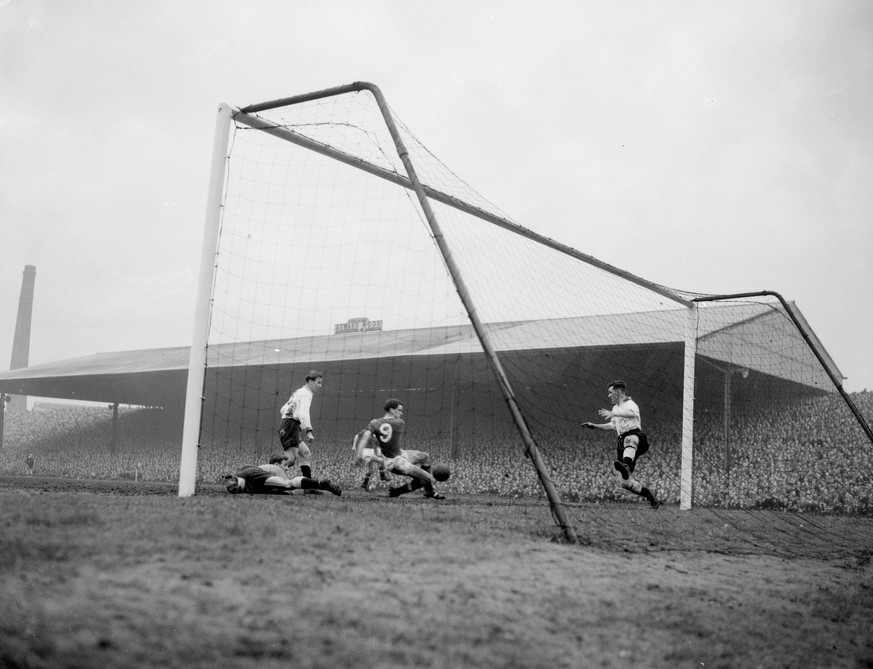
(194, 399)
(813, 346)
(481, 334)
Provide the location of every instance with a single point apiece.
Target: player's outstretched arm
(598, 426)
(361, 444)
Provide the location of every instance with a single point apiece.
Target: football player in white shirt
(624, 418)
(295, 429)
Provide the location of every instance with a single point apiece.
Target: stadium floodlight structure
(335, 240)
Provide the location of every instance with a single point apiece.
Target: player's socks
(645, 492)
(383, 475)
(366, 483)
(414, 484)
(399, 490)
(307, 474)
(309, 484)
(428, 487)
(325, 484)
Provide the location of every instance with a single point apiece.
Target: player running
(295, 429)
(388, 432)
(624, 418)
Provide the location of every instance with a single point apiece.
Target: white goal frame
(228, 115)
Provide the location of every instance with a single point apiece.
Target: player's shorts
(642, 446)
(401, 463)
(368, 454)
(290, 434)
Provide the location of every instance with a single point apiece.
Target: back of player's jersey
(389, 432)
(254, 477)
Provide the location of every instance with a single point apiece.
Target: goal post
(197, 356)
(408, 180)
(687, 447)
(335, 240)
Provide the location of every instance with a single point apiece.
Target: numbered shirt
(389, 432)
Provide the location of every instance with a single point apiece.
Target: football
(441, 472)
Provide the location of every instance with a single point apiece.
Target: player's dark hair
(231, 483)
(314, 374)
(618, 385)
(392, 404)
(276, 459)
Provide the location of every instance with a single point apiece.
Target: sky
(716, 147)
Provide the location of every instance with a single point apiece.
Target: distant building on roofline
(362, 324)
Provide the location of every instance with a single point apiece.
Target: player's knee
(632, 485)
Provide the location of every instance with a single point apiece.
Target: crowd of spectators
(809, 455)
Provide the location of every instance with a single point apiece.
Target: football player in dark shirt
(273, 479)
(365, 457)
(387, 447)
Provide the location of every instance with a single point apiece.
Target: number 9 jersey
(389, 431)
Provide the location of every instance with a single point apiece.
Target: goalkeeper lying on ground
(273, 479)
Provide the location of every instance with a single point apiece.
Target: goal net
(333, 246)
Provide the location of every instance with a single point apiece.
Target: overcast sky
(708, 146)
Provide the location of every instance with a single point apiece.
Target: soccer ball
(441, 472)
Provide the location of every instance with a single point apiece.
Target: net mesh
(327, 262)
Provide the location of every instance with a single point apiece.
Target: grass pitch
(121, 574)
